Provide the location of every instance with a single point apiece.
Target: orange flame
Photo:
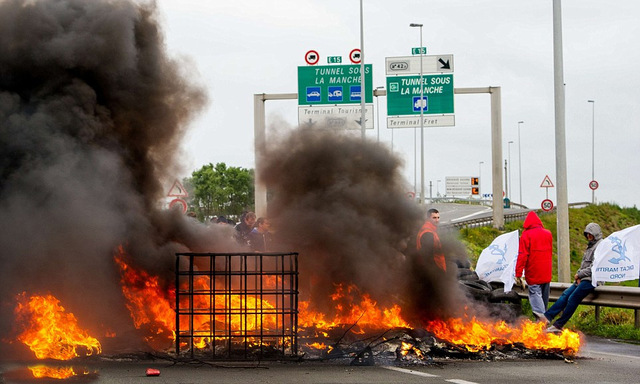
(61, 373)
(147, 301)
(50, 332)
(352, 307)
(476, 336)
(153, 307)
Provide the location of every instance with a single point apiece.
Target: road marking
(410, 371)
(460, 381)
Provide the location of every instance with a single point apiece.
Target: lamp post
(509, 146)
(480, 179)
(378, 111)
(593, 141)
(421, 118)
(520, 161)
(438, 187)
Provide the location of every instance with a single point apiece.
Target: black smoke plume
(341, 202)
(92, 113)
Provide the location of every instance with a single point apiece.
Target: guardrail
(605, 296)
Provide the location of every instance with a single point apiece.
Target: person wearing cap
(572, 297)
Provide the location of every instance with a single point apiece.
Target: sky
(236, 49)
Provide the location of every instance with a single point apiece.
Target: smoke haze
(341, 202)
(92, 112)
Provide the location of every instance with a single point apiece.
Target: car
(313, 94)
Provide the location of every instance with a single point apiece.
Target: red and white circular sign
(312, 57)
(547, 205)
(355, 56)
(411, 195)
(593, 185)
(178, 204)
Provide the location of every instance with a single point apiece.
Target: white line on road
(459, 381)
(410, 371)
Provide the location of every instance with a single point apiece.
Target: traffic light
(474, 181)
(475, 190)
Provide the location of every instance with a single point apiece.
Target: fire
(42, 371)
(408, 347)
(148, 303)
(352, 307)
(153, 307)
(476, 336)
(50, 332)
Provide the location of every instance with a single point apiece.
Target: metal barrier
(605, 296)
(236, 306)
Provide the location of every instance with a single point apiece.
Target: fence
(605, 296)
(236, 306)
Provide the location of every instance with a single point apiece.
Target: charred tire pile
(492, 293)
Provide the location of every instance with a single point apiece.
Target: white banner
(497, 262)
(617, 258)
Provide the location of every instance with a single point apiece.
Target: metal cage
(236, 306)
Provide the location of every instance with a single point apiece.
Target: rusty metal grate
(236, 306)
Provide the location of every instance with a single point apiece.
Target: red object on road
(153, 372)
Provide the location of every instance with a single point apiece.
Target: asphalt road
(600, 361)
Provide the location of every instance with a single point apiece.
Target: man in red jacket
(535, 258)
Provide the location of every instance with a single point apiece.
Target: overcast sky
(241, 48)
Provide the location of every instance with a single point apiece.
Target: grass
(614, 322)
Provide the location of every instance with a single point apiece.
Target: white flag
(497, 262)
(617, 258)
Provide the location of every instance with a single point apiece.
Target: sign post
(546, 183)
(420, 90)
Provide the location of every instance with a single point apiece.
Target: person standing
(571, 297)
(260, 236)
(244, 228)
(535, 261)
(428, 242)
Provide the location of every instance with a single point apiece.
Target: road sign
(355, 56)
(178, 204)
(406, 95)
(547, 205)
(418, 50)
(312, 57)
(334, 59)
(410, 65)
(461, 185)
(326, 84)
(593, 185)
(177, 190)
(411, 195)
(546, 182)
(345, 116)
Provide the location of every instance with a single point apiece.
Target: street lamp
(520, 161)
(378, 110)
(509, 146)
(480, 179)
(438, 187)
(593, 141)
(413, 25)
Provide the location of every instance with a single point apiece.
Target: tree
(221, 190)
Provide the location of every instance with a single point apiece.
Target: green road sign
(403, 95)
(334, 59)
(417, 50)
(333, 84)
